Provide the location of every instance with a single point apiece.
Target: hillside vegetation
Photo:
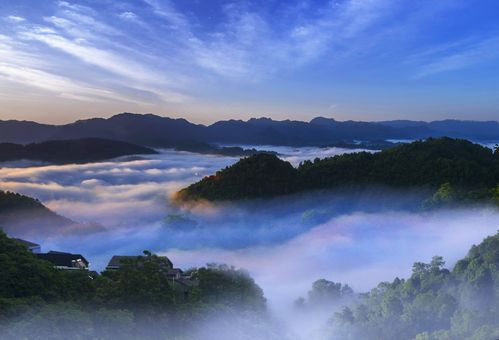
(433, 304)
(454, 169)
(20, 214)
(71, 151)
(138, 301)
(11, 201)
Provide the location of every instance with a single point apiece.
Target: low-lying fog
(286, 244)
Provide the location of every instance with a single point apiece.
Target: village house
(60, 260)
(66, 261)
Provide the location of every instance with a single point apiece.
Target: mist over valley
(125, 205)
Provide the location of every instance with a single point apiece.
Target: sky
(211, 60)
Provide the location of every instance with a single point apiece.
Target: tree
(227, 288)
(24, 276)
(140, 283)
(345, 316)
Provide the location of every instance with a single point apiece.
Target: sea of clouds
(285, 243)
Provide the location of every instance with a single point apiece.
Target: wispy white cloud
(128, 16)
(25, 68)
(73, 6)
(456, 56)
(15, 18)
(61, 86)
(167, 10)
(76, 31)
(95, 56)
(73, 20)
(248, 46)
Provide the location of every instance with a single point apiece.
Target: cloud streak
(76, 31)
(458, 56)
(306, 33)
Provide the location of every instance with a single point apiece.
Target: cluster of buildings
(59, 259)
(69, 261)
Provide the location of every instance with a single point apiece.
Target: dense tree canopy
(24, 276)
(221, 284)
(261, 175)
(433, 304)
(71, 150)
(19, 212)
(10, 201)
(468, 169)
(38, 301)
(324, 295)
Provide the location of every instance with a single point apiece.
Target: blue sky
(210, 60)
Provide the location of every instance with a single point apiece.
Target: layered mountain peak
(157, 131)
(322, 121)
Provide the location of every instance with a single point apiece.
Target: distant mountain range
(71, 151)
(155, 131)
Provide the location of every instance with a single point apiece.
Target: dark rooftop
(60, 259)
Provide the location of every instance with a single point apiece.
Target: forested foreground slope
(433, 304)
(138, 301)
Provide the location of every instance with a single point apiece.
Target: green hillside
(469, 171)
(433, 304)
(71, 151)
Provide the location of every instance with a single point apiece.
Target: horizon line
(174, 117)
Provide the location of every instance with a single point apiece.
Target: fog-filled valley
(124, 206)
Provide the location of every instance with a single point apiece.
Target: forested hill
(71, 151)
(10, 201)
(460, 169)
(21, 215)
(433, 304)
